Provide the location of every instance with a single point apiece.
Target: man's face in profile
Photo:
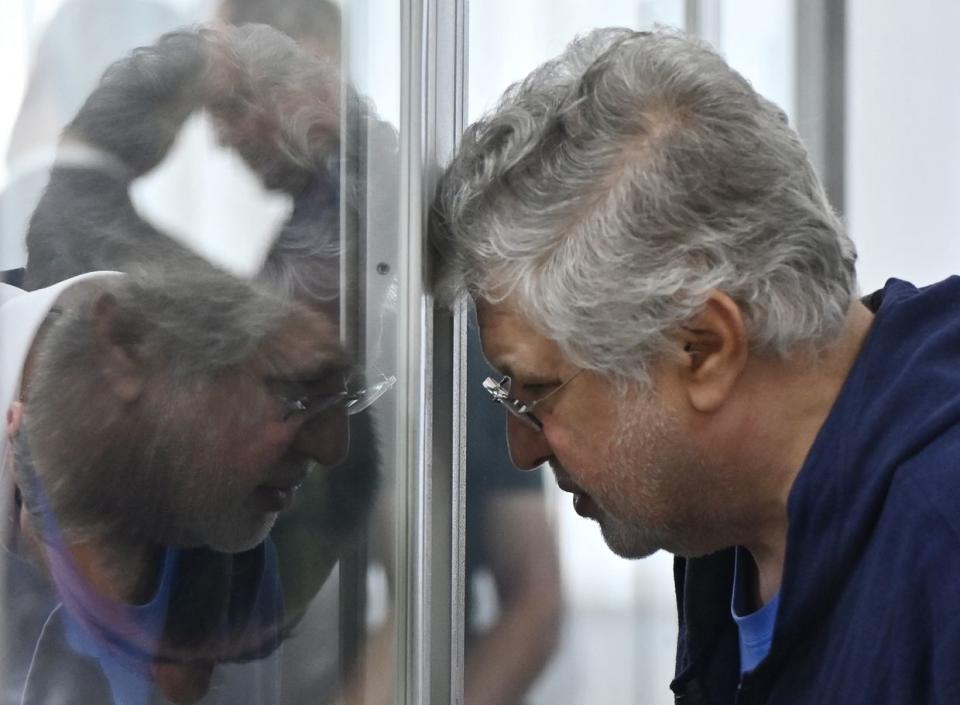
(225, 455)
(626, 456)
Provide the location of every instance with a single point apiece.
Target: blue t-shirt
(124, 638)
(754, 629)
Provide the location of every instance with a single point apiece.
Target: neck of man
(125, 571)
(119, 567)
(791, 402)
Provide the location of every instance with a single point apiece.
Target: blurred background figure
(514, 586)
(514, 589)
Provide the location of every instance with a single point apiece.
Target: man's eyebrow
(523, 373)
(504, 369)
(320, 363)
(311, 373)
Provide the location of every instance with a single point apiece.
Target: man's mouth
(275, 499)
(583, 504)
(278, 493)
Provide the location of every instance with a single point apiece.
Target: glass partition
(237, 510)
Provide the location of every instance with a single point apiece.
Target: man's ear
(119, 347)
(14, 419)
(715, 350)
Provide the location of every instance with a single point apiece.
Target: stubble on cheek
(637, 489)
(194, 493)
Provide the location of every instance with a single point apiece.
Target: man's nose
(325, 438)
(528, 447)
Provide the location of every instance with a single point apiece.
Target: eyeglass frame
(522, 411)
(309, 406)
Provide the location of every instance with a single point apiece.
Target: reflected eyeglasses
(354, 398)
(521, 410)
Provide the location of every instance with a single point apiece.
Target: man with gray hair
(150, 445)
(192, 471)
(659, 274)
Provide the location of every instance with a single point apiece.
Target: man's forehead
(306, 342)
(512, 345)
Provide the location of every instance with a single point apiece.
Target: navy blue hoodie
(870, 600)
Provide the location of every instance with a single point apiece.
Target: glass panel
(555, 617)
(203, 470)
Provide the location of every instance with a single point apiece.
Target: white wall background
(508, 39)
(903, 139)
(19, 22)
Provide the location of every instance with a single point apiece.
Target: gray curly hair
(621, 183)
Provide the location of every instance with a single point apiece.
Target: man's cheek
(14, 417)
(246, 447)
(273, 434)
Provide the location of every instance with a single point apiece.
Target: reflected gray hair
(621, 183)
(187, 330)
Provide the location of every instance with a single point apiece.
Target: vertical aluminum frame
(351, 575)
(703, 18)
(821, 88)
(430, 549)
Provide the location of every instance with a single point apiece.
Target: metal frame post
(821, 88)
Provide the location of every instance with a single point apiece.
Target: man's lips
(276, 495)
(275, 499)
(583, 503)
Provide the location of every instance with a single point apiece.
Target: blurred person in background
(509, 537)
(674, 305)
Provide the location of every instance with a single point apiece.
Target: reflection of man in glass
(279, 110)
(157, 433)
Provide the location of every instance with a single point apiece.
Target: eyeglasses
(353, 398)
(523, 411)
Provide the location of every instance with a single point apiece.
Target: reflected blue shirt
(124, 638)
